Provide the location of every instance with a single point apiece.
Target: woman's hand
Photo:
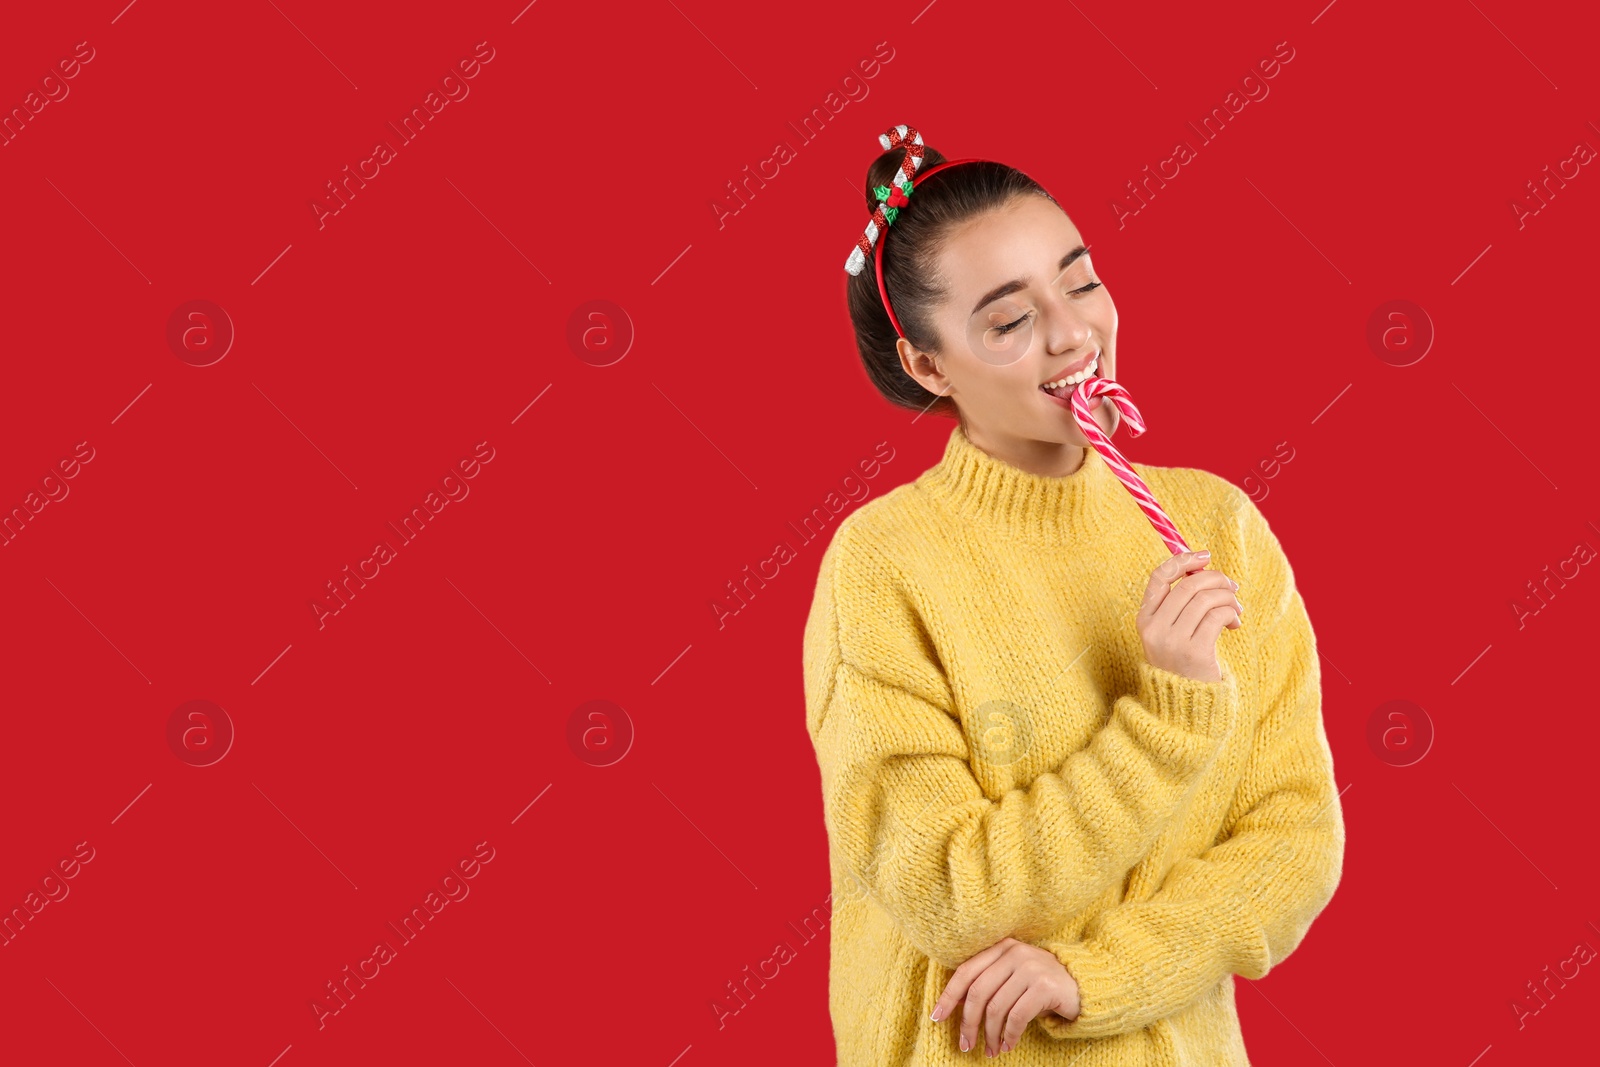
(1005, 986)
(1179, 625)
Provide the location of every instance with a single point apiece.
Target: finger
(1161, 579)
(1182, 596)
(1028, 1007)
(1213, 623)
(979, 995)
(1237, 620)
(998, 1024)
(1200, 605)
(956, 988)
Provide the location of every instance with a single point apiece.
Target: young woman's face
(1023, 307)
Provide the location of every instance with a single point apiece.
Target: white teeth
(1073, 379)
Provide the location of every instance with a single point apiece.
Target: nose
(1066, 331)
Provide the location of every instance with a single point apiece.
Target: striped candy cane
(1118, 395)
(897, 137)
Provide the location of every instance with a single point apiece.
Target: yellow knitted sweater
(998, 758)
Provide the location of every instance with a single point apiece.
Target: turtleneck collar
(1029, 507)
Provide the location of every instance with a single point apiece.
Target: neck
(1049, 459)
(999, 496)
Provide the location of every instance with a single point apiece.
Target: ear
(922, 367)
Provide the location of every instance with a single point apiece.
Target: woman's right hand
(1179, 624)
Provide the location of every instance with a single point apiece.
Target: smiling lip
(1066, 401)
(1073, 368)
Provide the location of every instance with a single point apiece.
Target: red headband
(877, 252)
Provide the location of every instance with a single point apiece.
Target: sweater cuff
(1198, 707)
(1102, 992)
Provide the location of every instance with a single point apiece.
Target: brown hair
(915, 238)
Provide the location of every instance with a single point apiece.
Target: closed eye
(1008, 327)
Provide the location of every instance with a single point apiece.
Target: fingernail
(1202, 555)
(963, 1042)
(1233, 583)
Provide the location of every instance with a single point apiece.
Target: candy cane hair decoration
(891, 198)
(883, 215)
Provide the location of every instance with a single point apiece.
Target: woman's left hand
(1005, 986)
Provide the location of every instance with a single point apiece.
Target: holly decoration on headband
(893, 198)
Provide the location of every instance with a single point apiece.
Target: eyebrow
(1022, 283)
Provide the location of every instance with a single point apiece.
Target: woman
(1069, 790)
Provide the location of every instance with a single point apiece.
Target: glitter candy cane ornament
(890, 198)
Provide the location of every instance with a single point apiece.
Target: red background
(432, 712)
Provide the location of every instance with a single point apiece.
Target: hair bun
(886, 168)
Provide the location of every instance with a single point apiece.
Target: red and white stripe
(896, 137)
(1115, 392)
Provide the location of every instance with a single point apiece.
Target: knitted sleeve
(956, 870)
(1244, 904)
